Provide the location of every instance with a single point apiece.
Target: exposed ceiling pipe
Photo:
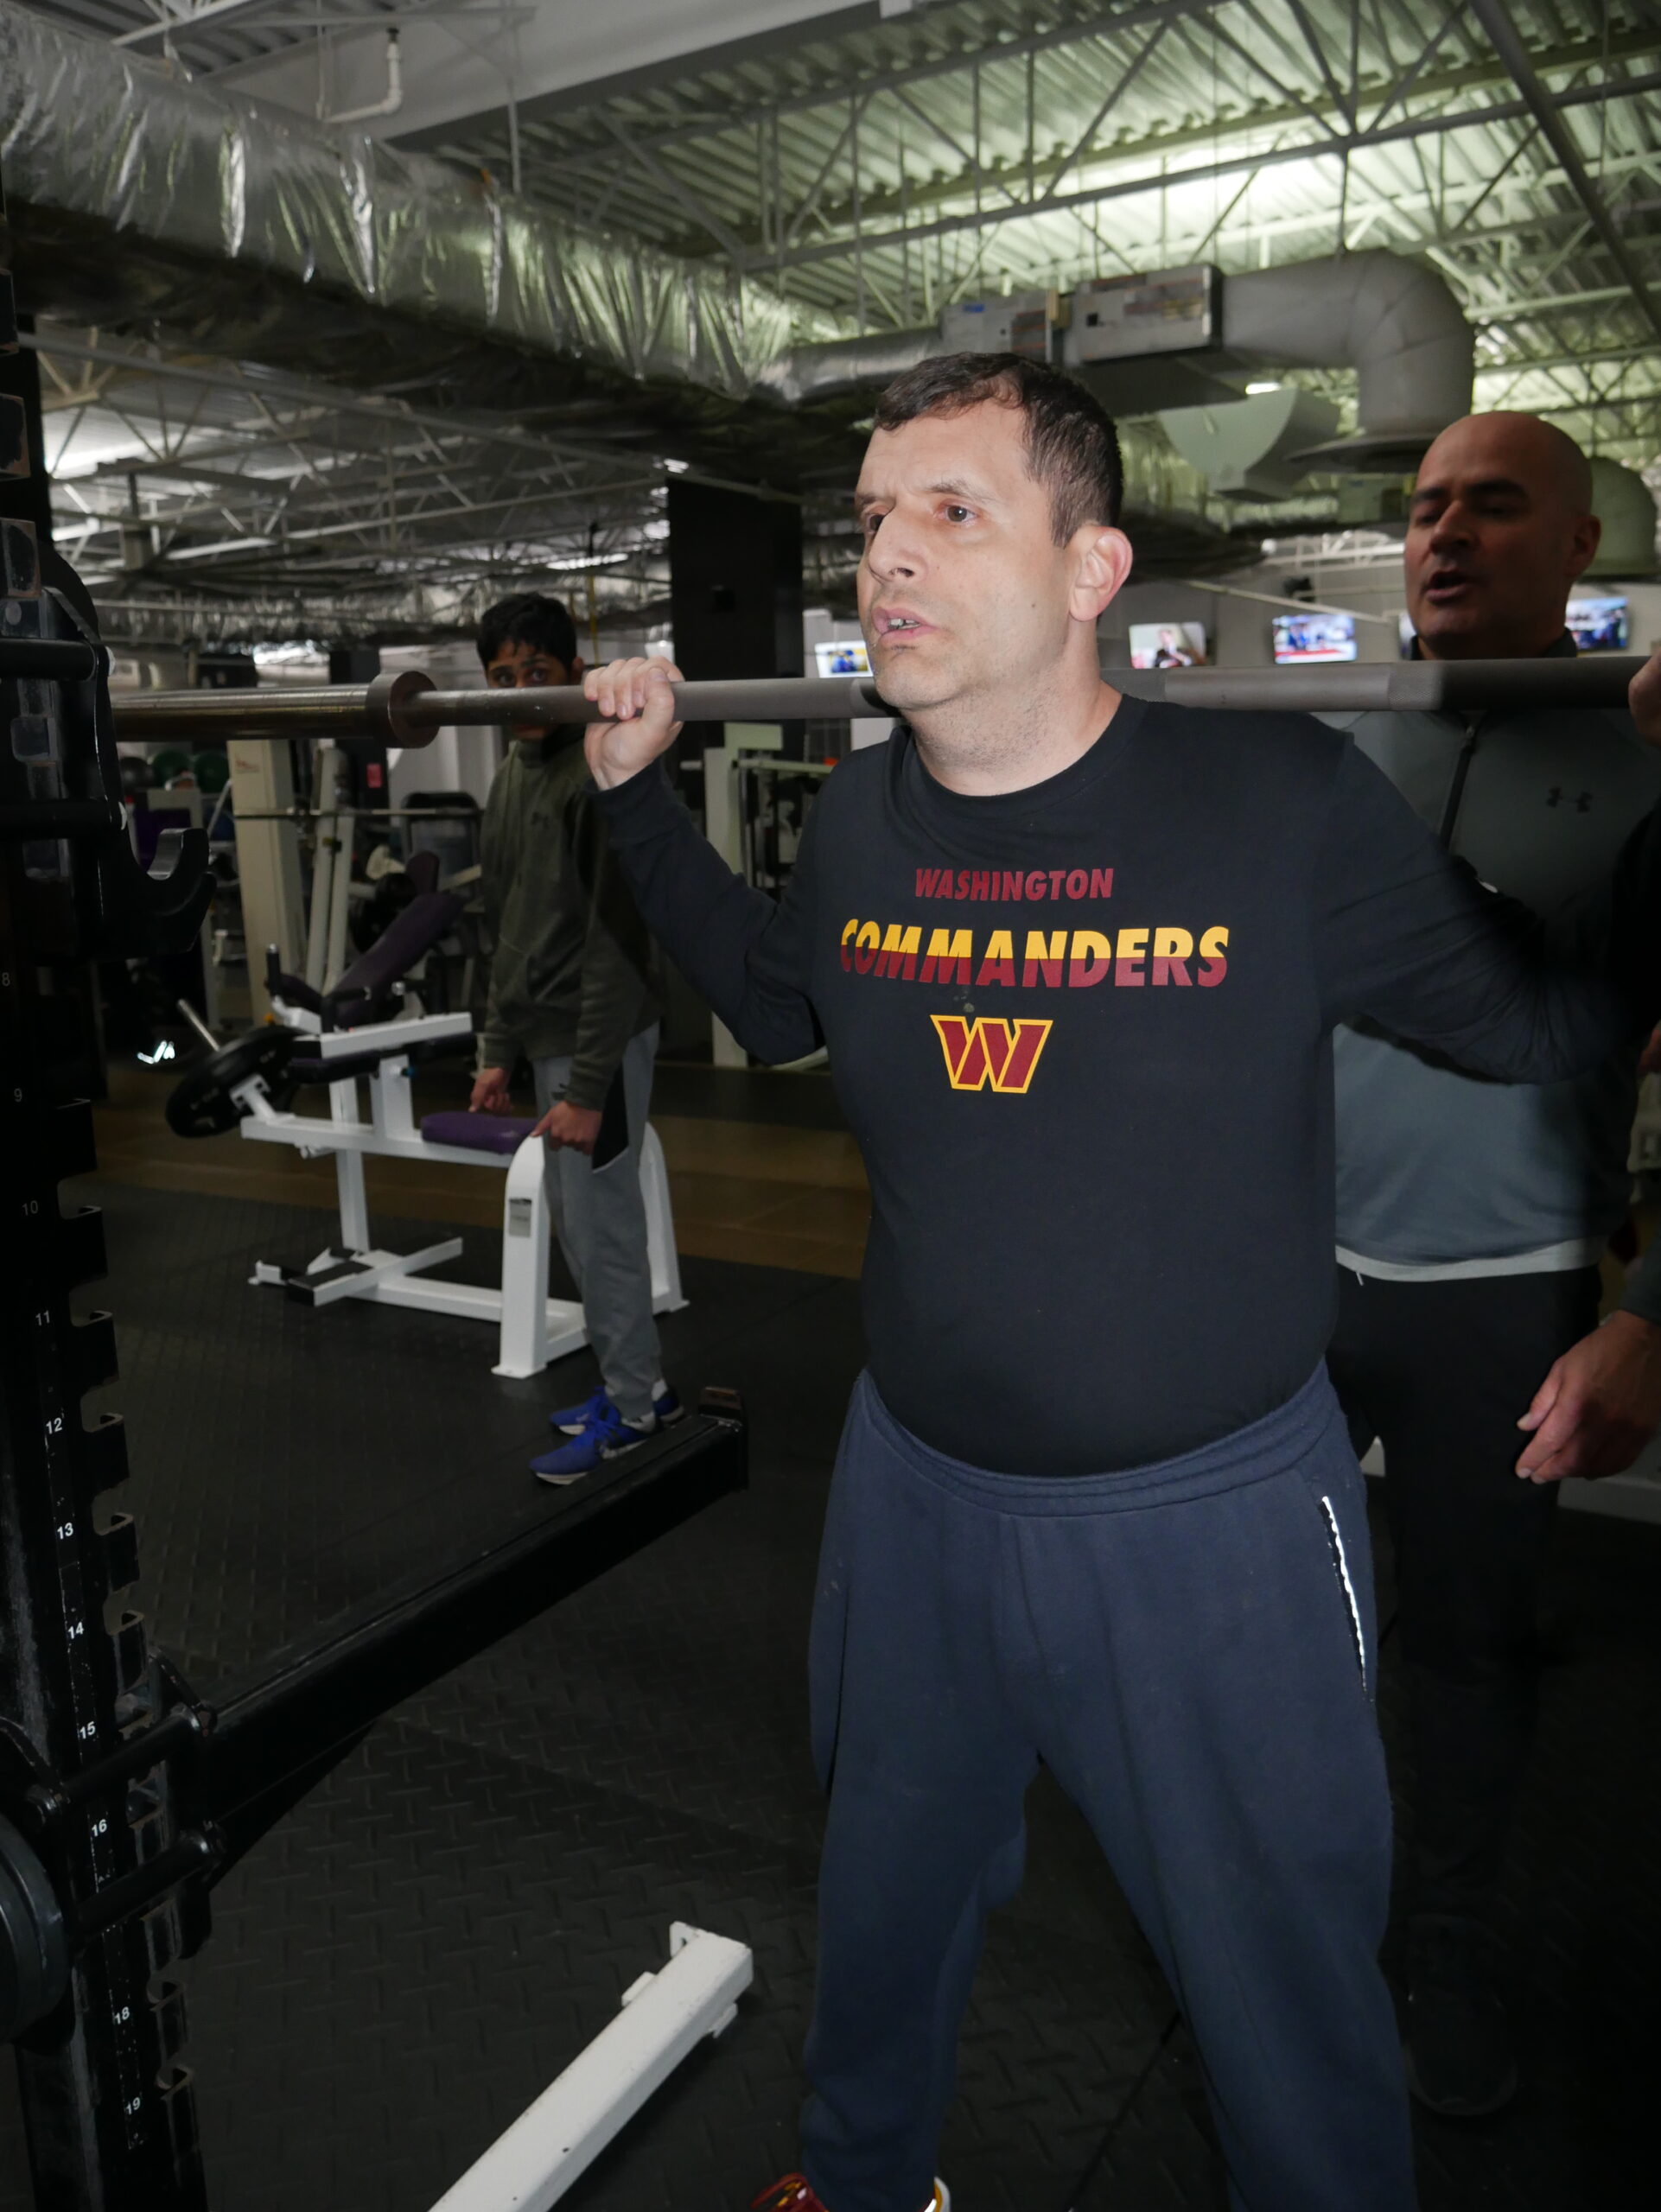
(394, 99)
(1393, 321)
(298, 238)
(301, 246)
(1624, 504)
(846, 364)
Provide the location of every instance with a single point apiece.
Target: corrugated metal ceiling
(1001, 145)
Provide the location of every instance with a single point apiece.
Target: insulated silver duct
(846, 364)
(94, 135)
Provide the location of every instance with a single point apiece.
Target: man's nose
(892, 556)
(1452, 526)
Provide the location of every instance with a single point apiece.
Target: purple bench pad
(503, 1133)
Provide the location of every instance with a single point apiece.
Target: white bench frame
(532, 1328)
(663, 2017)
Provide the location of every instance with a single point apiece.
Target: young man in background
(573, 991)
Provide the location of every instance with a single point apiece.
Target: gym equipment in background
(252, 1080)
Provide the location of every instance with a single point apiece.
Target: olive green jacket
(574, 970)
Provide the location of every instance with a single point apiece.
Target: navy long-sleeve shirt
(1082, 1033)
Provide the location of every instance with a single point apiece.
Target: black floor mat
(411, 1956)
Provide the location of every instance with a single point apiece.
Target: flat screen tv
(840, 658)
(1311, 636)
(1167, 644)
(1599, 625)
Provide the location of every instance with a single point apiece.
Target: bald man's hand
(1644, 698)
(1599, 1406)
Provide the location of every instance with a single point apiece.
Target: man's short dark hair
(530, 619)
(1071, 445)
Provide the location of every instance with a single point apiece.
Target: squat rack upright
(124, 1794)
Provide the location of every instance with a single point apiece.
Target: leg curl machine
(360, 1031)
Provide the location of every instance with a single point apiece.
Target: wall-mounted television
(1310, 636)
(841, 657)
(1167, 644)
(1599, 625)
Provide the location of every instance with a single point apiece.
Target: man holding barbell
(1470, 1218)
(1078, 960)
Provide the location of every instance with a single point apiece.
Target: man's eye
(872, 522)
(957, 514)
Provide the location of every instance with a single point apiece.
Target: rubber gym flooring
(409, 1957)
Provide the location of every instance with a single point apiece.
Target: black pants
(1441, 1372)
(1189, 1649)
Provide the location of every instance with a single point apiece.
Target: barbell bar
(407, 709)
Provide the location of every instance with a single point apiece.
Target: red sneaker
(793, 2195)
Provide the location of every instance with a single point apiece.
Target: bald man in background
(1471, 1219)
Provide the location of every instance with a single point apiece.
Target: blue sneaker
(571, 1420)
(606, 1437)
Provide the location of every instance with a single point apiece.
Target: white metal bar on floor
(374, 1273)
(665, 2016)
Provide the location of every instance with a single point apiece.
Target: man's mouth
(1446, 584)
(899, 622)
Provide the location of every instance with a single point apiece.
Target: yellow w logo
(1001, 1053)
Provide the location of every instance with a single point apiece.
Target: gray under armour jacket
(1443, 1175)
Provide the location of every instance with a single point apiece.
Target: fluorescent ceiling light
(1252, 389)
(588, 561)
(219, 545)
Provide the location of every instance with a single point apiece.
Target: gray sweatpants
(600, 1219)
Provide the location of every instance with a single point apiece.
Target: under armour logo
(1583, 800)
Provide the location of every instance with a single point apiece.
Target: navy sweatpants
(1189, 1648)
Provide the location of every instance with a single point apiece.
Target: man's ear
(574, 674)
(1102, 565)
(1583, 545)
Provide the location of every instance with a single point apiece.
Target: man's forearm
(723, 934)
(1414, 942)
(496, 1048)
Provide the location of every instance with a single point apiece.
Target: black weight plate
(33, 1947)
(201, 1104)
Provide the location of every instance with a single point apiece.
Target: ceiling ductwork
(1250, 449)
(1141, 341)
(1392, 320)
(1624, 504)
(333, 251)
(271, 239)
